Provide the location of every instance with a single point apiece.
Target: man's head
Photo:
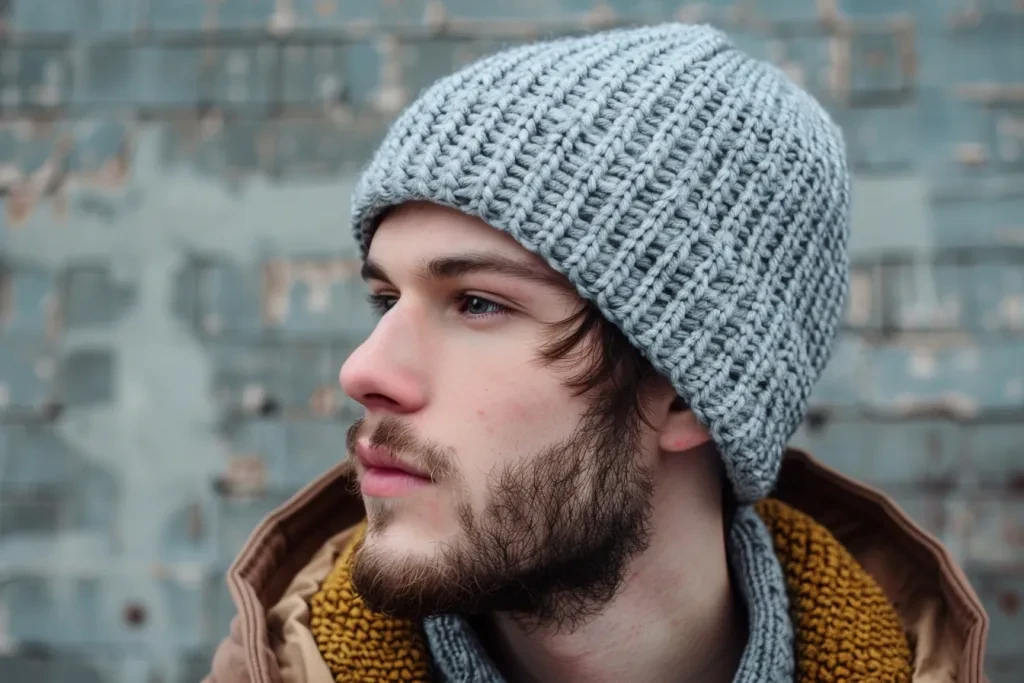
(538, 428)
(652, 194)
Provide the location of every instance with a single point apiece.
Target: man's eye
(381, 303)
(479, 306)
(466, 304)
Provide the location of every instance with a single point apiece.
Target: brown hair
(606, 363)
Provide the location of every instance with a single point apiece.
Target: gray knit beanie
(696, 195)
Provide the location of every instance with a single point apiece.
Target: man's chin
(399, 542)
(416, 518)
(397, 573)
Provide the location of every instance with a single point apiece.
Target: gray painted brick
(292, 297)
(882, 140)
(183, 605)
(237, 519)
(923, 296)
(115, 16)
(234, 14)
(48, 486)
(260, 444)
(181, 15)
(877, 60)
(423, 62)
(30, 146)
(38, 509)
(111, 76)
(966, 381)
(538, 10)
(296, 378)
(803, 56)
(298, 372)
(195, 665)
(192, 236)
(979, 218)
(36, 455)
(221, 609)
(239, 378)
(996, 533)
(49, 669)
(239, 150)
(876, 200)
(776, 11)
(316, 297)
(994, 456)
(45, 17)
(185, 535)
(290, 453)
(34, 77)
(316, 73)
(169, 76)
(939, 513)
(92, 298)
(97, 144)
(27, 373)
(361, 12)
(325, 73)
(997, 302)
(87, 378)
(842, 382)
(228, 300)
(982, 53)
(331, 15)
(873, 9)
(314, 446)
(980, 139)
(893, 456)
(121, 74)
(238, 77)
(1003, 597)
(863, 303)
(27, 300)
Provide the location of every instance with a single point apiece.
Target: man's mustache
(398, 437)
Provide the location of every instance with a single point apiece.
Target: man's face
(489, 485)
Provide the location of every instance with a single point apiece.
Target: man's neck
(676, 617)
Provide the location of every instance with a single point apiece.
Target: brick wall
(178, 289)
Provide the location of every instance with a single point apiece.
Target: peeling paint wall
(178, 287)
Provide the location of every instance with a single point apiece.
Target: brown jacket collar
(947, 624)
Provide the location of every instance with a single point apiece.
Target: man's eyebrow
(451, 267)
(372, 270)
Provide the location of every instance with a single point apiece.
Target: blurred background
(178, 285)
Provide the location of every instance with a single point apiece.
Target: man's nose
(387, 372)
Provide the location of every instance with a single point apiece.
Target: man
(609, 270)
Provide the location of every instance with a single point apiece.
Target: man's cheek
(523, 415)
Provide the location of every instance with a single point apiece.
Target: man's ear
(681, 430)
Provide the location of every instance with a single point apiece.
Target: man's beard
(551, 546)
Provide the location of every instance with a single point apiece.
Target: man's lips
(380, 458)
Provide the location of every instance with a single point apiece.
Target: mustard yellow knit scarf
(846, 629)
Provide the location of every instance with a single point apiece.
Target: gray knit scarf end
(459, 656)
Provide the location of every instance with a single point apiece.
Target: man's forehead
(420, 219)
(424, 231)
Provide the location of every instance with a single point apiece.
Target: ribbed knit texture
(358, 644)
(696, 195)
(458, 655)
(840, 626)
(848, 630)
(768, 655)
